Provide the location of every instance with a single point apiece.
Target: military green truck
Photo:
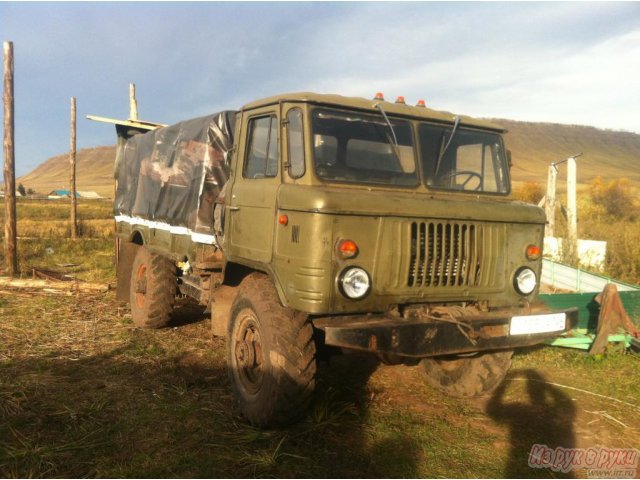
(307, 221)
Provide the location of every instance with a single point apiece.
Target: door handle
(234, 209)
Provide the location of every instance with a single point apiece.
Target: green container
(589, 309)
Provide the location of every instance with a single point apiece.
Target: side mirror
(509, 162)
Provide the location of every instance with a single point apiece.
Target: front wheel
(467, 376)
(271, 355)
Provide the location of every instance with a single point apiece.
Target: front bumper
(424, 338)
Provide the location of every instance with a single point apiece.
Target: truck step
(195, 287)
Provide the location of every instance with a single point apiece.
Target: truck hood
(361, 201)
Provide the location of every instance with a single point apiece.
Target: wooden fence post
(72, 173)
(550, 201)
(572, 213)
(10, 235)
(133, 103)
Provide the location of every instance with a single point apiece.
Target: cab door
(252, 206)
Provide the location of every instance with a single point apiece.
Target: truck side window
(262, 154)
(296, 143)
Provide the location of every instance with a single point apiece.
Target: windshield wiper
(394, 145)
(444, 150)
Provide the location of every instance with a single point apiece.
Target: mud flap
(126, 253)
(221, 302)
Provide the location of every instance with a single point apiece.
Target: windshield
(360, 148)
(474, 160)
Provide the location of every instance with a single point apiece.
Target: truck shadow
(186, 312)
(129, 413)
(546, 417)
(345, 381)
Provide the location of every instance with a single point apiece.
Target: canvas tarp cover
(174, 174)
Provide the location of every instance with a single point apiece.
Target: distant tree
(614, 196)
(22, 190)
(530, 192)
(30, 191)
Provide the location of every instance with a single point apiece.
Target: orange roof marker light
(400, 99)
(421, 103)
(379, 96)
(283, 220)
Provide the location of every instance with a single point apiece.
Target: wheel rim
(141, 285)
(248, 353)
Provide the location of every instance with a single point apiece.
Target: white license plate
(551, 322)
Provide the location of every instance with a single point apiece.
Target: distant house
(90, 195)
(18, 194)
(55, 194)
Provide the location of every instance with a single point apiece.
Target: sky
(575, 63)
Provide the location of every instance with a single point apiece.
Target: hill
(610, 154)
(94, 171)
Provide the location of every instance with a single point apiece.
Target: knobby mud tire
(271, 356)
(153, 289)
(464, 377)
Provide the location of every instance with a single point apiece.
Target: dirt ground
(84, 393)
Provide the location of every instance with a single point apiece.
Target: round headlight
(355, 282)
(525, 281)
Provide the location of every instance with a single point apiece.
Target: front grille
(445, 254)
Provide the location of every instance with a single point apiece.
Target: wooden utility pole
(10, 239)
(133, 103)
(550, 201)
(72, 173)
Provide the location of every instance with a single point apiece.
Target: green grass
(83, 393)
(614, 374)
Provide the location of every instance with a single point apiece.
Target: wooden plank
(46, 284)
(128, 123)
(584, 342)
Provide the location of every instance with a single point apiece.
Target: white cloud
(569, 62)
(593, 84)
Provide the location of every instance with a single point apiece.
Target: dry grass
(621, 234)
(102, 228)
(44, 239)
(536, 145)
(85, 394)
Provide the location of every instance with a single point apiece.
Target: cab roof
(393, 108)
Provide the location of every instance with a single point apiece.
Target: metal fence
(562, 276)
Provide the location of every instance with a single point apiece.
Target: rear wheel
(271, 355)
(467, 376)
(152, 290)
